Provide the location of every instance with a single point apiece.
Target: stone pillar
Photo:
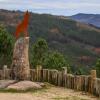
(20, 64)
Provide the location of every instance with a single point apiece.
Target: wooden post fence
(89, 83)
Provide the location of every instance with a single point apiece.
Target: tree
(79, 71)
(48, 59)
(98, 68)
(39, 51)
(56, 60)
(6, 46)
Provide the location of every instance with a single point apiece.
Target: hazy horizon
(58, 7)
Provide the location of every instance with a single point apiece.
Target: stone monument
(20, 64)
(20, 69)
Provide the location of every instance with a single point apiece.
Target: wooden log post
(4, 71)
(65, 80)
(55, 77)
(33, 75)
(9, 73)
(64, 72)
(1, 74)
(97, 87)
(93, 74)
(92, 79)
(64, 69)
(72, 82)
(86, 83)
(48, 75)
(60, 78)
(68, 81)
(80, 83)
(45, 75)
(83, 83)
(38, 72)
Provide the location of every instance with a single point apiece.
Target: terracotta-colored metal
(23, 26)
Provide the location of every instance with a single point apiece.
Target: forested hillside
(93, 19)
(80, 43)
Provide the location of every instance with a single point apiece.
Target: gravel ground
(52, 93)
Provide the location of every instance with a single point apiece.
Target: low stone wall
(88, 84)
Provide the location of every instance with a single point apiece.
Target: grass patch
(20, 91)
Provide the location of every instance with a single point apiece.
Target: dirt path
(53, 93)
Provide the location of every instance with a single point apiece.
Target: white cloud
(54, 5)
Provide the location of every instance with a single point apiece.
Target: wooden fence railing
(88, 84)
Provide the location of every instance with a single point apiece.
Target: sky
(55, 7)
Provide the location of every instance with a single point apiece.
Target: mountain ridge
(93, 19)
(76, 40)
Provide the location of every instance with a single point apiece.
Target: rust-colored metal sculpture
(23, 26)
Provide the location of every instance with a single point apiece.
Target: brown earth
(51, 93)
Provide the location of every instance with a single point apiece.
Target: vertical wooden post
(86, 79)
(55, 77)
(92, 79)
(48, 75)
(44, 74)
(93, 74)
(38, 70)
(4, 71)
(65, 70)
(60, 76)
(97, 87)
(32, 74)
(72, 82)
